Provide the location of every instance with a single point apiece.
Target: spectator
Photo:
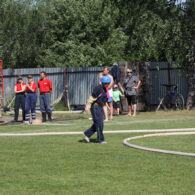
(45, 88)
(116, 99)
(131, 83)
(109, 93)
(31, 99)
(19, 89)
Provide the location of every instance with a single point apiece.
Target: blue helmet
(105, 79)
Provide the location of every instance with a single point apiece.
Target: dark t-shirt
(100, 93)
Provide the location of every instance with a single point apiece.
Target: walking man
(45, 88)
(131, 84)
(96, 102)
(31, 100)
(19, 89)
(109, 93)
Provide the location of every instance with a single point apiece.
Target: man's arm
(89, 103)
(31, 88)
(99, 77)
(15, 89)
(138, 85)
(23, 89)
(50, 86)
(96, 92)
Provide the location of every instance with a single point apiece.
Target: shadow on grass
(91, 141)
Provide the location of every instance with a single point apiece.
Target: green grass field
(65, 164)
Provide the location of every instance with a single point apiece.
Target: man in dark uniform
(19, 89)
(31, 100)
(96, 102)
(45, 87)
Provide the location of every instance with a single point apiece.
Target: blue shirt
(100, 93)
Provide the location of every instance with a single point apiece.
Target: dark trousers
(19, 101)
(98, 123)
(30, 104)
(45, 102)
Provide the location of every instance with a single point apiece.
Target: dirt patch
(3, 122)
(8, 120)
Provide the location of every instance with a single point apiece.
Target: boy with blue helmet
(95, 103)
(105, 79)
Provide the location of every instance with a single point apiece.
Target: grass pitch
(67, 165)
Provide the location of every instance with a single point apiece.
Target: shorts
(116, 104)
(109, 99)
(132, 100)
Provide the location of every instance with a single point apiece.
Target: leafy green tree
(83, 33)
(22, 32)
(58, 33)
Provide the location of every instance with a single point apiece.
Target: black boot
(49, 116)
(43, 117)
(15, 118)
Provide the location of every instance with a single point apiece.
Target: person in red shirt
(45, 88)
(31, 100)
(19, 90)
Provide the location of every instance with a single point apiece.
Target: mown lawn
(67, 165)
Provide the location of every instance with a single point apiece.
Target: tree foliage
(64, 33)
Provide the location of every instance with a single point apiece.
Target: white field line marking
(106, 132)
(135, 120)
(125, 142)
(52, 124)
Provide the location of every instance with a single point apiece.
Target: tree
(83, 33)
(22, 33)
(58, 33)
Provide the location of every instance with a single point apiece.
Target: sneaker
(26, 123)
(86, 138)
(104, 142)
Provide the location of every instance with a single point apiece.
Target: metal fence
(161, 73)
(10, 78)
(80, 81)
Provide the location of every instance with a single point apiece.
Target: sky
(180, 1)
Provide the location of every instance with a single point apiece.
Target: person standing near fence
(31, 100)
(131, 84)
(109, 93)
(45, 88)
(19, 89)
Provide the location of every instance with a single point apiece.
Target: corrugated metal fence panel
(54, 74)
(80, 83)
(179, 79)
(159, 76)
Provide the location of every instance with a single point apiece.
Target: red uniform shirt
(33, 85)
(19, 87)
(45, 85)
